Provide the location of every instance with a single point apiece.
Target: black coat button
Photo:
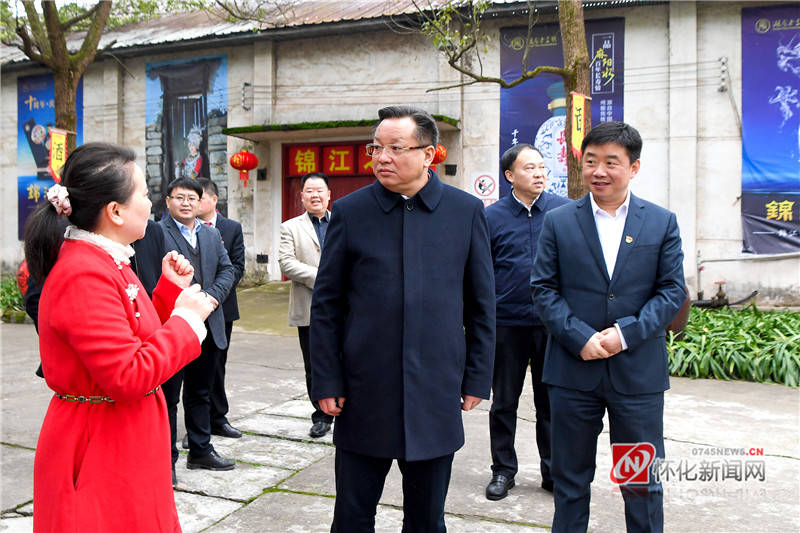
(409, 206)
(611, 296)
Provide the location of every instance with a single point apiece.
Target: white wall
(691, 161)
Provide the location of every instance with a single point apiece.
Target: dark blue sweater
(515, 235)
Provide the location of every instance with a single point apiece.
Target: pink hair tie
(59, 197)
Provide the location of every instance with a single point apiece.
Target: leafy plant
(748, 344)
(10, 297)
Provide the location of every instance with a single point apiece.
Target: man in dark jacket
(402, 326)
(232, 239)
(514, 226)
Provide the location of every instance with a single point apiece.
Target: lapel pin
(628, 239)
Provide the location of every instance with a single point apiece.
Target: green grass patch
(747, 344)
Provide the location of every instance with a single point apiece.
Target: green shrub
(10, 297)
(748, 344)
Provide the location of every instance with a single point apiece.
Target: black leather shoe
(226, 430)
(498, 488)
(212, 461)
(185, 442)
(319, 429)
(547, 485)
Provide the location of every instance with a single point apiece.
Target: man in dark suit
(514, 226)
(232, 239)
(607, 280)
(202, 246)
(402, 326)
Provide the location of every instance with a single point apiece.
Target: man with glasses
(202, 246)
(402, 326)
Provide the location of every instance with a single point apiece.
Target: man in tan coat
(302, 239)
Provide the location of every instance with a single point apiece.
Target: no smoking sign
(484, 186)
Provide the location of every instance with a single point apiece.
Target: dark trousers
(219, 399)
(577, 420)
(318, 415)
(197, 378)
(359, 485)
(516, 348)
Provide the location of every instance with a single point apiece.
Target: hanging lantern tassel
(439, 156)
(244, 162)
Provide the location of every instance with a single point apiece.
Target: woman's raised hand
(194, 299)
(177, 269)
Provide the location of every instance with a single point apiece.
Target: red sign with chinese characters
(303, 159)
(364, 161)
(338, 160)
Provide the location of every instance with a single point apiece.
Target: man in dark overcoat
(402, 326)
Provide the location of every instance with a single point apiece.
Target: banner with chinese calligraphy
(58, 153)
(338, 160)
(346, 164)
(534, 111)
(35, 116)
(578, 110)
(31, 191)
(771, 129)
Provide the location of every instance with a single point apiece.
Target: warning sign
(484, 186)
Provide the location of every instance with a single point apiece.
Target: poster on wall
(534, 111)
(185, 113)
(36, 114)
(771, 129)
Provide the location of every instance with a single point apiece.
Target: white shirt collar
(119, 252)
(622, 210)
(520, 202)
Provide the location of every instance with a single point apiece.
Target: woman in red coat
(102, 461)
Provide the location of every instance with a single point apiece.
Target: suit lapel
(308, 227)
(177, 237)
(633, 225)
(589, 228)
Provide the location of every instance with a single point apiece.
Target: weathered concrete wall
(691, 162)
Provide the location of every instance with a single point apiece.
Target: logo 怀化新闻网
(631, 462)
(762, 25)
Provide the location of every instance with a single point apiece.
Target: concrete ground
(284, 480)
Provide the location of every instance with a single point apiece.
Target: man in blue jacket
(514, 226)
(402, 327)
(607, 280)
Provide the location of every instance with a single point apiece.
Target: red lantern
(244, 162)
(440, 155)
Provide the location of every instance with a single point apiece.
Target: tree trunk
(576, 62)
(66, 114)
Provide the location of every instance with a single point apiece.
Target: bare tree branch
(65, 26)
(55, 36)
(27, 48)
(37, 34)
(88, 50)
